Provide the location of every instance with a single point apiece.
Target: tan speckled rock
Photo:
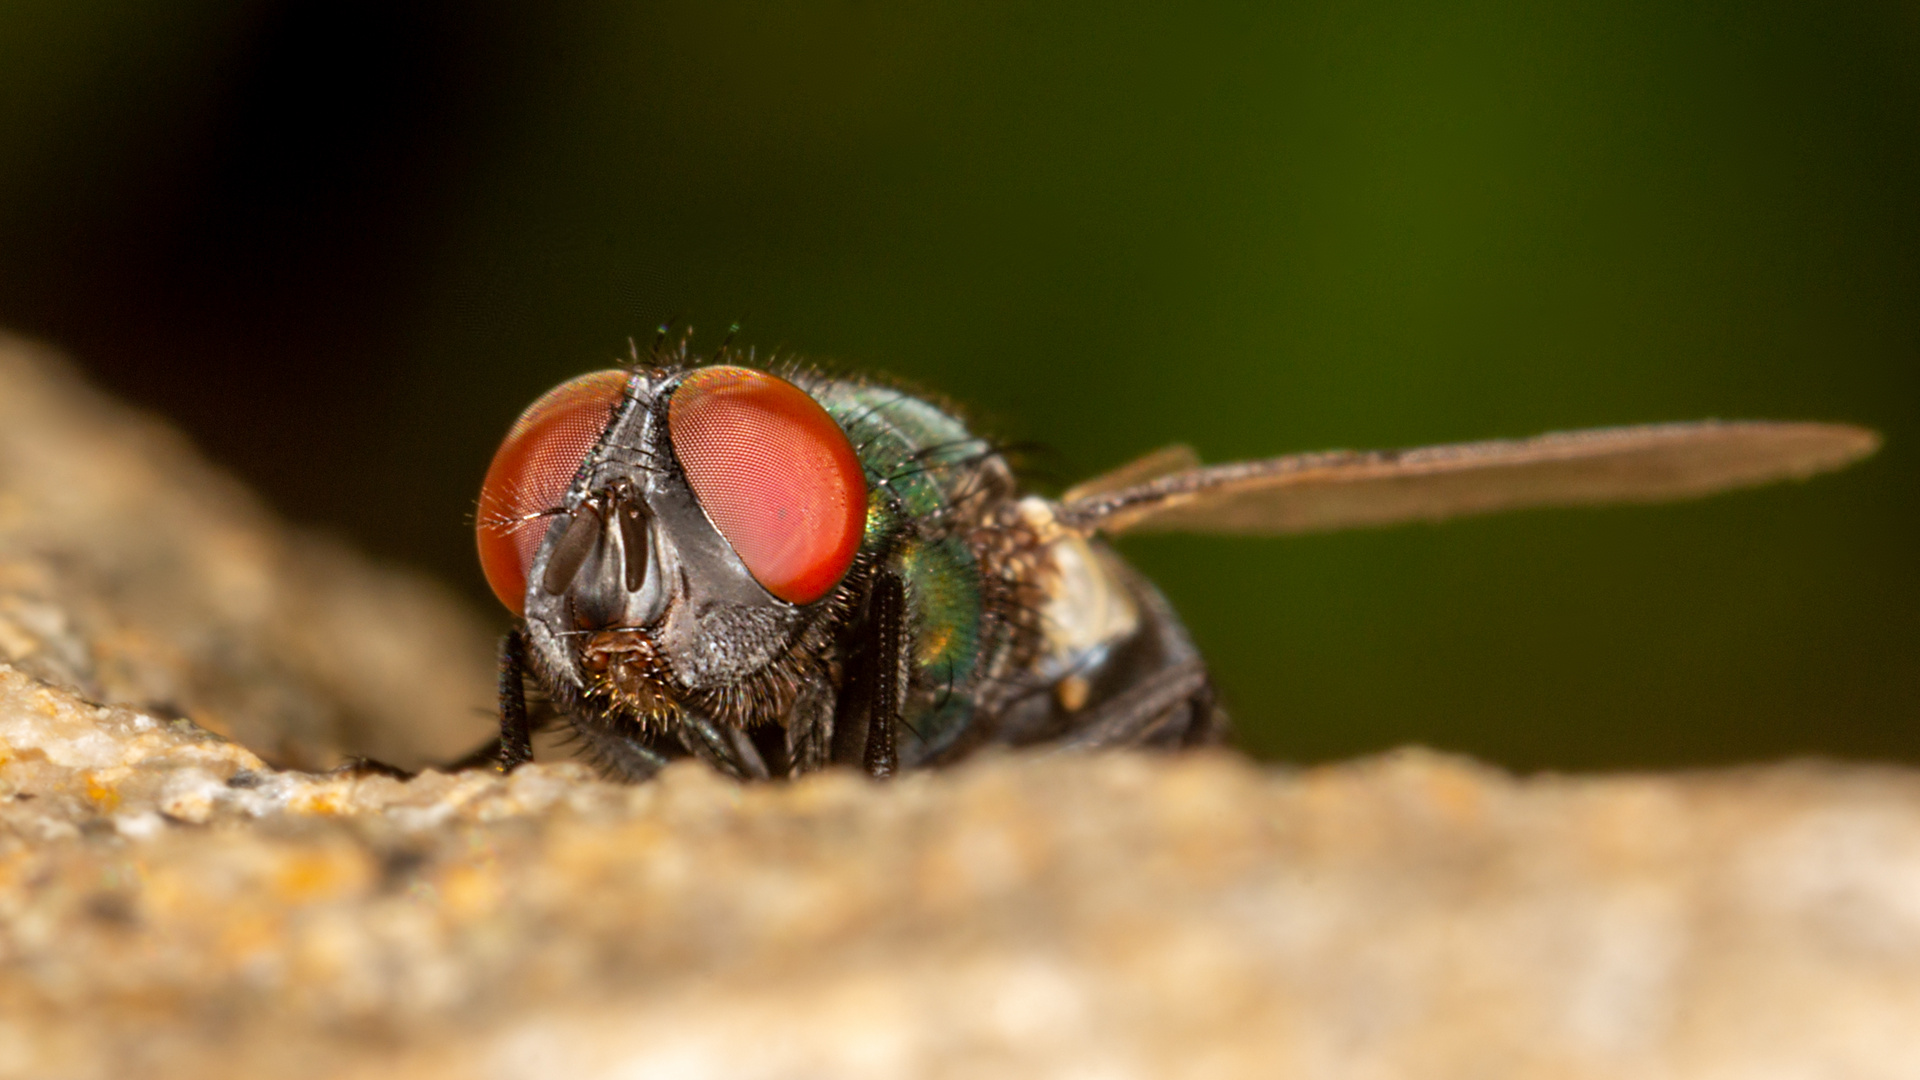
(135, 573)
(171, 905)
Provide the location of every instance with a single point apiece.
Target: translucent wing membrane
(1346, 489)
(1173, 458)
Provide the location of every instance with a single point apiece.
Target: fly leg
(357, 766)
(864, 732)
(1207, 724)
(1170, 708)
(1164, 697)
(889, 631)
(809, 735)
(728, 750)
(513, 747)
(622, 752)
(516, 735)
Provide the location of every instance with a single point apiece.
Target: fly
(780, 573)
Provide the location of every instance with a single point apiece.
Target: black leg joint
(888, 627)
(516, 735)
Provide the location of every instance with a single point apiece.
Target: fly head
(697, 533)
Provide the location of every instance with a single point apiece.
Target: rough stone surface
(172, 905)
(134, 573)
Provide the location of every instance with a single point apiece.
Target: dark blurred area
(344, 243)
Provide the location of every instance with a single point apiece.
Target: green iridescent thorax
(924, 473)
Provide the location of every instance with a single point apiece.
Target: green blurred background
(343, 243)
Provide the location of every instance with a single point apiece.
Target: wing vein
(1343, 489)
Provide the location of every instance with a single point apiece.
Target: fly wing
(1346, 489)
(1178, 457)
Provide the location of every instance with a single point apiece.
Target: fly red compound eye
(775, 475)
(531, 473)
